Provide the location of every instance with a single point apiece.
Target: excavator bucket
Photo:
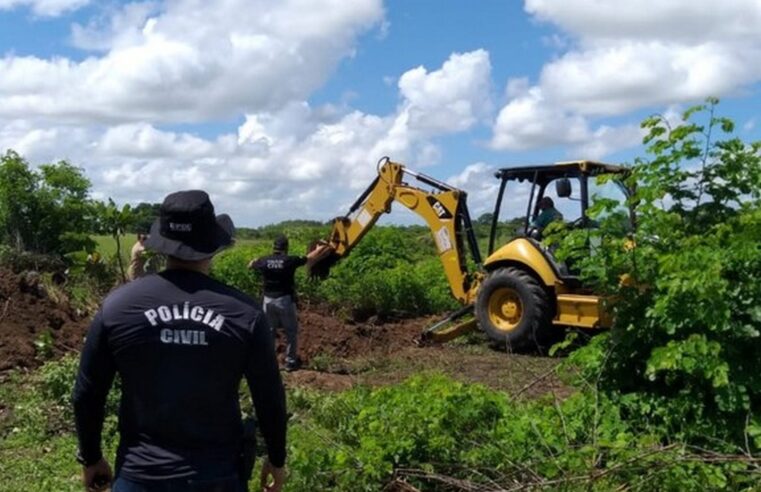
(447, 329)
(320, 267)
(448, 333)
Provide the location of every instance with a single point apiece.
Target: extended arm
(444, 210)
(96, 374)
(263, 377)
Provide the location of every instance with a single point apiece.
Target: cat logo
(439, 208)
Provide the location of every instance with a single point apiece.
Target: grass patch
(357, 365)
(424, 430)
(37, 441)
(106, 246)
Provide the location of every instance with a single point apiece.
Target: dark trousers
(232, 484)
(281, 313)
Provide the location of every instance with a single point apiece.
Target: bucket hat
(188, 229)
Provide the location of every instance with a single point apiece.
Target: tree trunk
(119, 257)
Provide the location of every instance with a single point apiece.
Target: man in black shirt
(278, 270)
(181, 342)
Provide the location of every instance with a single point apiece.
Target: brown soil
(336, 354)
(322, 334)
(26, 315)
(522, 376)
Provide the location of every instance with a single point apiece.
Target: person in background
(181, 343)
(547, 213)
(137, 258)
(278, 271)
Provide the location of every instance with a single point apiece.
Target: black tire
(521, 314)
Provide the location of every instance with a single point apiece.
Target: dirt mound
(322, 333)
(368, 353)
(28, 317)
(31, 322)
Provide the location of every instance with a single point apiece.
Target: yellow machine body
(572, 308)
(445, 212)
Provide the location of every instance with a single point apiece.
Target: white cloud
(143, 140)
(450, 99)
(115, 28)
(189, 60)
(45, 8)
(689, 21)
(292, 161)
(482, 186)
(517, 87)
(555, 41)
(40, 143)
(616, 78)
(529, 122)
(629, 56)
(606, 140)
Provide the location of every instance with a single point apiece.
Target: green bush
(44, 209)
(430, 431)
(20, 261)
(37, 440)
(684, 350)
(231, 267)
(53, 391)
(393, 272)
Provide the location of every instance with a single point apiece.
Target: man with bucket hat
(181, 342)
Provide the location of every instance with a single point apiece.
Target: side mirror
(563, 187)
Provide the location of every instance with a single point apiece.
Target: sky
(281, 109)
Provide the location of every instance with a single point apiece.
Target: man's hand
(97, 477)
(318, 253)
(277, 474)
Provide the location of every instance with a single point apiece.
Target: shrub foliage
(393, 272)
(684, 350)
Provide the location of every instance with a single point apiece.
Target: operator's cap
(188, 229)
(280, 243)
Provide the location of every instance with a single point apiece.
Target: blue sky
(281, 109)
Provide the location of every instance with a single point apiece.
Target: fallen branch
(5, 308)
(536, 380)
(455, 483)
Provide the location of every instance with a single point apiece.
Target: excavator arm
(444, 209)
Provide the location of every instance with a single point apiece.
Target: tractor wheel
(513, 308)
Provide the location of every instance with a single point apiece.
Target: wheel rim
(505, 309)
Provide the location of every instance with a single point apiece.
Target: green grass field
(106, 245)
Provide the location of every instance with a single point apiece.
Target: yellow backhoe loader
(520, 294)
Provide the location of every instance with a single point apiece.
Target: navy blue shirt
(278, 270)
(181, 342)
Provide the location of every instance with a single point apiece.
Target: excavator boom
(444, 209)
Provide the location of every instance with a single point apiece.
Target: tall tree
(115, 221)
(63, 197)
(18, 200)
(145, 215)
(47, 211)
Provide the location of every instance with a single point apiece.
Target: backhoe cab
(527, 294)
(520, 294)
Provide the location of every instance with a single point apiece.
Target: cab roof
(566, 169)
